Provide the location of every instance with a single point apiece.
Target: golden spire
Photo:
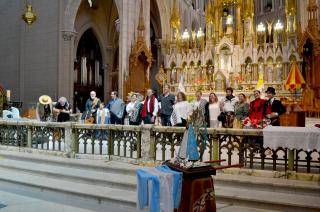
(312, 14)
(175, 17)
(248, 9)
(209, 13)
(141, 19)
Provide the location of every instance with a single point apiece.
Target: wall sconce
(29, 16)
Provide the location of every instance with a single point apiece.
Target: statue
(248, 73)
(279, 73)
(189, 145)
(269, 74)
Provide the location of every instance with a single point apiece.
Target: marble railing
(149, 143)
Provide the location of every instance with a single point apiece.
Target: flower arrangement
(255, 123)
(190, 98)
(237, 79)
(200, 83)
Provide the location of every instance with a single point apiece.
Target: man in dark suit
(273, 108)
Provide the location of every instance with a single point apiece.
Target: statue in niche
(220, 82)
(173, 73)
(222, 65)
(204, 75)
(249, 73)
(255, 74)
(209, 75)
(265, 75)
(243, 74)
(185, 75)
(269, 74)
(193, 76)
(279, 73)
(247, 29)
(219, 86)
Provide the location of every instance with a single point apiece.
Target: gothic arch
(164, 17)
(71, 11)
(225, 43)
(97, 34)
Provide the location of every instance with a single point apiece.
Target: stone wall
(29, 53)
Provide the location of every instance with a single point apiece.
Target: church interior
(205, 45)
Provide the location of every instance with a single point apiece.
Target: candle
(8, 95)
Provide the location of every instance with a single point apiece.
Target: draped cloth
(159, 188)
(145, 182)
(177, 184)
(117, 108)
(166, 188)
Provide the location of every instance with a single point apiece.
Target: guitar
(89, 119)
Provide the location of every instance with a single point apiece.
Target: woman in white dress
(181, 110)
(213, 111)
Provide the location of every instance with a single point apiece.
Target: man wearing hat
(273, 108)
(44, 108)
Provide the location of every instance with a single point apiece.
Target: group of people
(229, 112)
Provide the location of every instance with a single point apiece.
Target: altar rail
(150, 143)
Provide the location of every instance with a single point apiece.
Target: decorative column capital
(68, 35)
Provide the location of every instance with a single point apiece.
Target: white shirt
(214, 111)
(156, 106)
(229, 105)
(130, 107)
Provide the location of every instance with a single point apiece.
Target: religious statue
(219, 82)
(248, 73)
(247, 29)
(279, 73)
(269, 74)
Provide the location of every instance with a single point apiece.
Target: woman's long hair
(215, 96)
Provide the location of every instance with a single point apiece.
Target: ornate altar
(231, 51)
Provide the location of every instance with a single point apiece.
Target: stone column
(69, 142)
(107, 68)
(107, 77)
(66, 65)
(148, 148)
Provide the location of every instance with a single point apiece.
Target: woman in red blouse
(256, 106)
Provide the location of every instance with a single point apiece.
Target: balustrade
(155, 143)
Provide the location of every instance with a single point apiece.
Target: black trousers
(147, 120)
(165, 120)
